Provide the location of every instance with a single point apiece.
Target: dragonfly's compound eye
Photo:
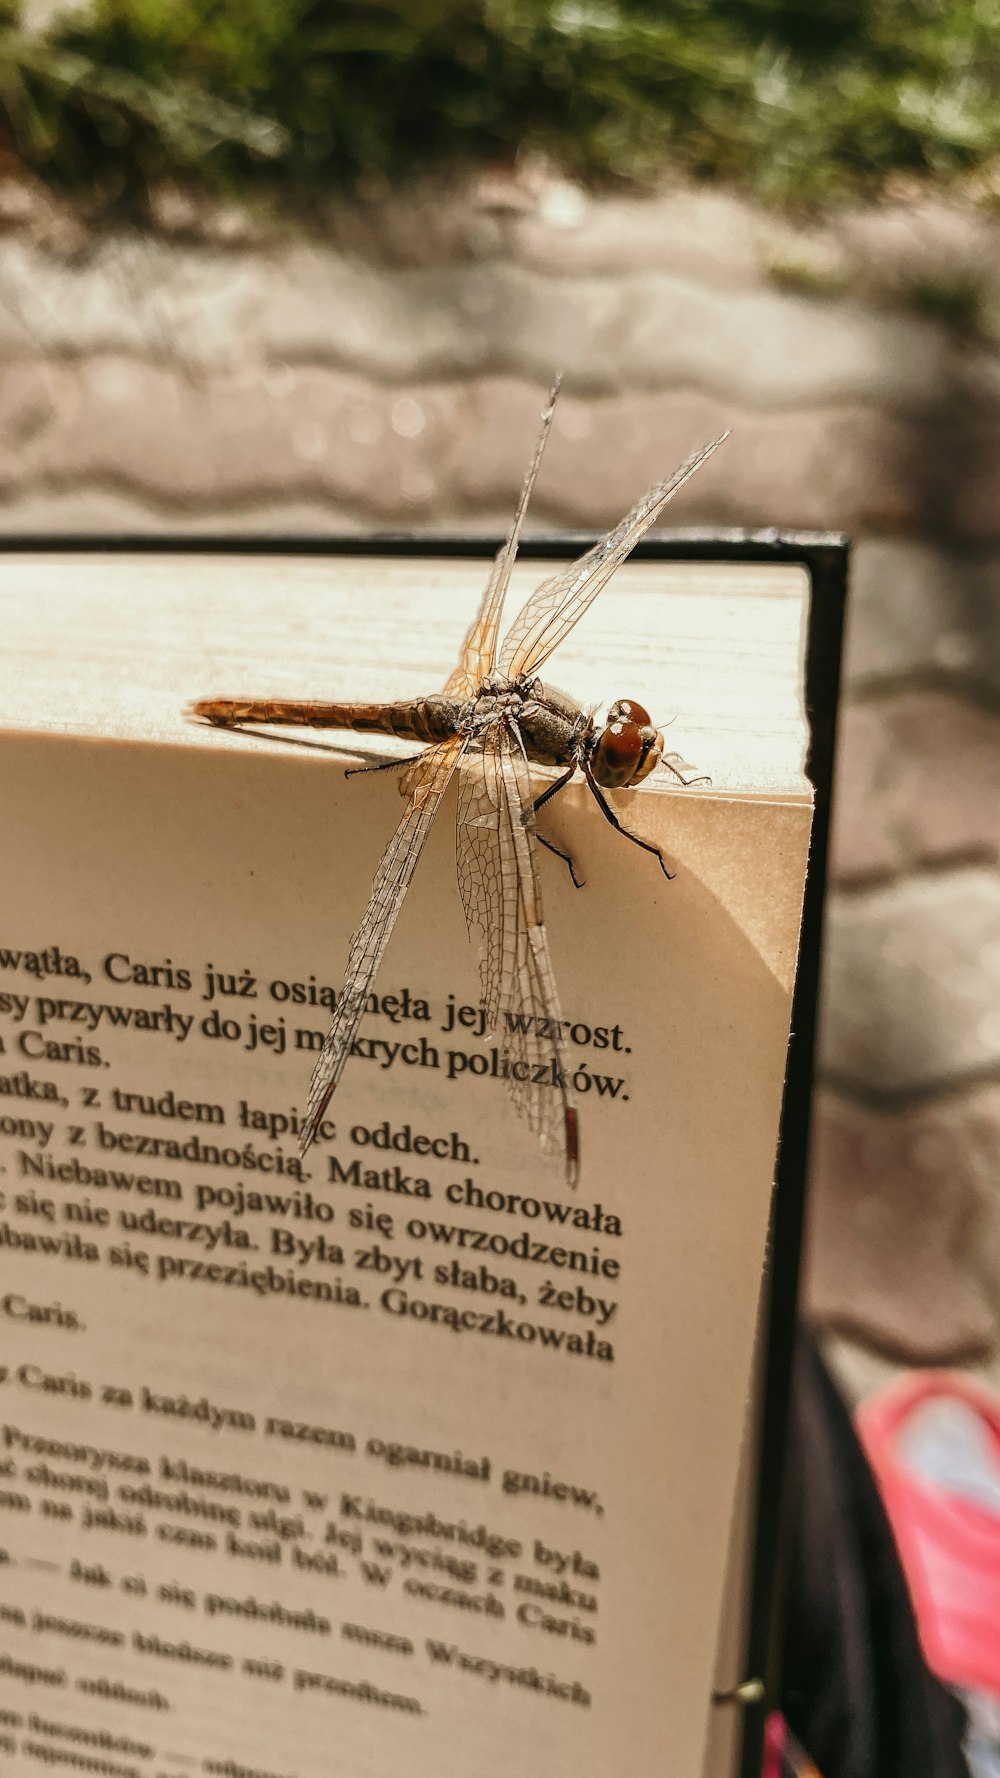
(626, 752)
(653, 742)
(618, 754)
(627, 710)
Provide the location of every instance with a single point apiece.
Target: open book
(404, 1458)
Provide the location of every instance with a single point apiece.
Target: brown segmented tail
(423, 719)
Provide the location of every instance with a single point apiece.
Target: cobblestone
(309, 432)
(920, 612)
(918, 785)
(897, 1205)
(443, 449)
(626, 327)
(912, 989)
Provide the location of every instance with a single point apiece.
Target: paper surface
(350, 1470)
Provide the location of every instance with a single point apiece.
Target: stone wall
(206, 378)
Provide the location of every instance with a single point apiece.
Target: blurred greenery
(297, 100)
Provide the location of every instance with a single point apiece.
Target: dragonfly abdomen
(416, 719)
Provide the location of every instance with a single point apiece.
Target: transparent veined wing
(502, 898)
(488, 893)
(560, 602)
(424, 784)
(477, 659)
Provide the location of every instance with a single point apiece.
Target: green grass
(292, 101)
(960, 300)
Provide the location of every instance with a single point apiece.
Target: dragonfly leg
(567, 860)
(608, 812)
(553, 790)
(383, 765)
(684, 773)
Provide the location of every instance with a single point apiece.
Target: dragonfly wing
(479, 649)
(489, 903)
(559, 603)
(424, 785)
(503, 905)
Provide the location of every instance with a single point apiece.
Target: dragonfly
(493, 720)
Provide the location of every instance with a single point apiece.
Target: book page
(404, 1458)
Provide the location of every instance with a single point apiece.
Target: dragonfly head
(628, 748)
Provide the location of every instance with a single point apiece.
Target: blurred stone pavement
(206, 377)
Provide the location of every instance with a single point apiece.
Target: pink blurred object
(933, 1441)
(774, 1745)
(783, 1757)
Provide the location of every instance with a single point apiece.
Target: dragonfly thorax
(555, 731)
(495, 698)
(551, 726)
